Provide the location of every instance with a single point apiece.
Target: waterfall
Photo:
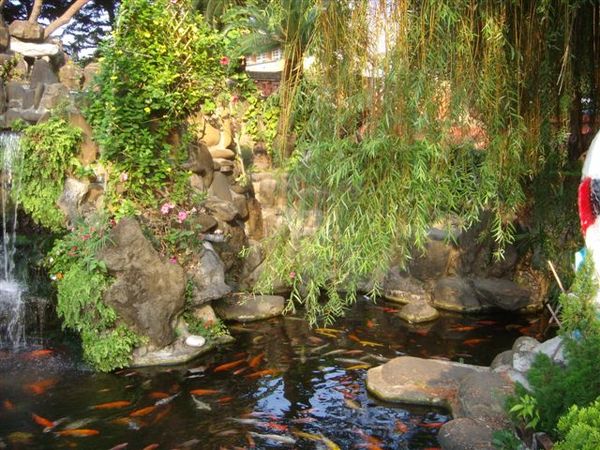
(12, 301)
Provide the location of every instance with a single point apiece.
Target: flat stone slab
(176, 353)
(420, 381)
(465, 433)
(418, 313)
(248, 307)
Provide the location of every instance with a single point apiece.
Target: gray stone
(267, 192)
(15, 92)
(455, 294)
(407, 379)
(220, 187)
(42, 73)
(88, 148)
(482, 396)
(205, 313)
(418, 313)
(465, 434)
(208, 276)
(33, 116)
(224, 153)
(53, 95)
(402, 288)
(553, 348)
(2, 97)
(241, 204)
(433, 263)
(200, 162)
(222, 210)
(518, 377)
(28, 98)
(11, 116)
(34, 50)
(525, 344)
(248, 307)
(206, 223)
(502, 359)
(522, 361)
(26, 31)
(74, 192)
(501, 293)
(148, 291)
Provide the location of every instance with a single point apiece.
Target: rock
(553, 348)
(194, 341)
(34, 50)
(88, 148)
(501, 293)
(11, 116)
(407, 379)
(148, 291)
(455, 294)
(4, 36)
(502, 359)
(200, 162)
(175, 353)
(71, 75)
(224, 165)
(89, 73)
(53, 95)
(254, 225)
(517, 377)
(15, 91)
(222, 210)
(33, 116)
(229, 249)
(42, 73)
(206, 223)
(220, 187)
(525, 344)
(248, 307)
(204, 130)
(208, 277)
(403, 288)
(522, 361)
(418, 313)
(267, 192)
(433, 263)
(72, 197)
(482, 396)
(241, 204)
(197, 183)
(465, 433)
(2, 97)
(26, 31)
(205, 313)
(224, 153)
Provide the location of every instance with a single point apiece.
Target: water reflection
(280, 385)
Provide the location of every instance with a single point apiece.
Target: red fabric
(584, 201)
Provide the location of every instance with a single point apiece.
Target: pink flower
(123, 177)
(234, 98)
(292, 275)
(173, 260)
(166, 208)
(224, 61)
(181, 216)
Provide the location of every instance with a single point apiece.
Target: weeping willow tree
(423, 110)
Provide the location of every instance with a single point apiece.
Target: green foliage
(506, 440)
(261, 117)
(81, 279)
(580, 428)
(211, 330)
(49, 151)
(162, 64)
(525, 410)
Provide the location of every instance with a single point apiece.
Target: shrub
(580, 428)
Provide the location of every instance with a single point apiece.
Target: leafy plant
(210, 330)
(506, 440)
(49, 151)
(525, 410)
(580, 428)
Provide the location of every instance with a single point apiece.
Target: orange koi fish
(162, 414)
(261, 373)
(473, 342)
(112, 405)
(401, 427)
(462, 328)
(242, 370)
(77, 432)
(8, 405)
(42, 421)
(205, 391)
(224, 399)
(229, 365)
(142, 411)
(158, 395)
(151, 447)
(38, 353)
(39, 387)
(431, 424)
(255, 362)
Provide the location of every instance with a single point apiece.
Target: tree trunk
(65, 18)
(290, 80)
(35, 11)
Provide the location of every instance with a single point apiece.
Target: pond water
(279, 385)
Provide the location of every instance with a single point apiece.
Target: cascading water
(12, 300)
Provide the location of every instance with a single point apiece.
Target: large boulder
(501, 293)
(71, 75)
(402, 288)
(4, 36)
(208, 277)
(200, 163)
(455, 294)
(148, 292)
(33, 49)
(26, 31)
(53, 95)
(418, 313)
(71, 199)
(465, 433)
(88, 148)
(42, 73)
(433, 262)
(249, 307)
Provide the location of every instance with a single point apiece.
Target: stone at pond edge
(501, 293)
(208, 276)
(502, 359)
(455, 294)
(482, 396)
(465, 434)
(148, 292)
(195, 341)
(418, 313)
(402, 288)
(249, 307)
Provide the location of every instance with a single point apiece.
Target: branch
(35, 11)
(65, 18)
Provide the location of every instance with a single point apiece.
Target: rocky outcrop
(208, 277)
(4, 36)
(26, 31)
(248, 307)
(148, 291)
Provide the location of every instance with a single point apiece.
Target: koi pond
(279, 385)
